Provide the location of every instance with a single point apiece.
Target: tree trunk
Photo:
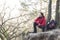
(49, 11)
(57, 18)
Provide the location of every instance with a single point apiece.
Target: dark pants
(35, 29)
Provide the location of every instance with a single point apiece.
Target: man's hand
(38, 24)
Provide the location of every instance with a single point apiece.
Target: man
(40, 22)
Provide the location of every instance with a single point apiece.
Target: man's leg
(43, 28)
(35, 29)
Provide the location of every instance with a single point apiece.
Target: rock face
(50, 35)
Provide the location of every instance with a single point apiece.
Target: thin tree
(57, 17)
(49, 10)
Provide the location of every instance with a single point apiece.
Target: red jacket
(41, 21)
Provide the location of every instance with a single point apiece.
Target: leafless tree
(8, 29)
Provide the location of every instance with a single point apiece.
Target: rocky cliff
(49, 35)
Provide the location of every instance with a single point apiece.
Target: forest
(17, 17)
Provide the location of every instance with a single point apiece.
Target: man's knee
(35, 24)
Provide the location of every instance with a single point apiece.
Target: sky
(13, 7)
